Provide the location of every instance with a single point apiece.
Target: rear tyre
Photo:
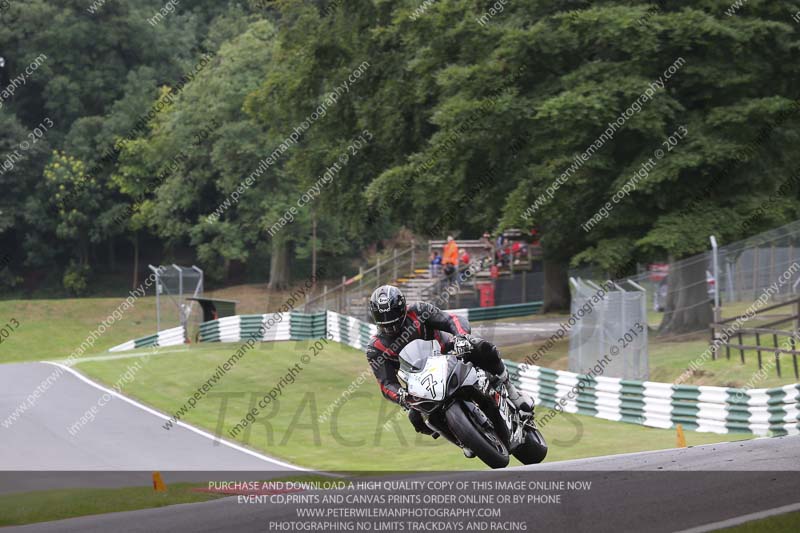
(533, 450)
(483, 442)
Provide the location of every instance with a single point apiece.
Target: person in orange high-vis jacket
(450, 254)
(450, 258)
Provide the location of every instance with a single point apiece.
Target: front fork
(501, 407)
(440, 426)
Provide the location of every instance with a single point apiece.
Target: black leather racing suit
(428, 322)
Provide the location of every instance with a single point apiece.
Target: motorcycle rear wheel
(485, 444)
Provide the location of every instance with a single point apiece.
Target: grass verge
(45, 506)
(362, 432)
(774, 524)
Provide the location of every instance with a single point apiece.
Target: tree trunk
(83, 250)
(688, 308)
(135, 260)
(279, 265)
(226, 269)
(112, 260)
(314, 246)
(556, 287)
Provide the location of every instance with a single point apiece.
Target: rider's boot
(521, 401)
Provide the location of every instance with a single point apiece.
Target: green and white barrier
(273, 327)
(300, 326)
(499, 311)
(773, 411)
(663, 405)
(308, 326)
(348, 330)
(267, 327)
(168, 337)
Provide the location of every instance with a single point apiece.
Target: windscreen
(416, 353)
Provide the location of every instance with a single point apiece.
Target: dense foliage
(193, 136)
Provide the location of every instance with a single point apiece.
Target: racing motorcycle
(459, 401)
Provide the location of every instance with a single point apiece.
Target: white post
(157, 272)
(158, 303)
(731, 290)
(715, 262)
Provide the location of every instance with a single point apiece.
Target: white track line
(179, 423)
(116, 356)
(743, 519)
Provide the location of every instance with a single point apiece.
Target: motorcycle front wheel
(483, 442)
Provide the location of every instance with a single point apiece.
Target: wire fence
(174, 284)
(609, 335)
(746, 269)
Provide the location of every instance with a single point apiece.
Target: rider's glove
(463, 344)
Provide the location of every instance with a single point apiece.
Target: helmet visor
(390, 321)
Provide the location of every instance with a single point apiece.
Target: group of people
(500, 251)
(507, 250)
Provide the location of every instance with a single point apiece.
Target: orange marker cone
(681, 436)
(158, 483)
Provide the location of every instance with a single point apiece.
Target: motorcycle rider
(398, 324)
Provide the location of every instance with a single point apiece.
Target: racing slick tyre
(483, 441)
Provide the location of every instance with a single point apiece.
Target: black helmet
(387, 305)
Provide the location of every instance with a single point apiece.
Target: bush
(8, 279)
(76, 279)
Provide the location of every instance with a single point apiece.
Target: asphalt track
(694, 489)
(513, 333)
(124, 435)
(691, 489)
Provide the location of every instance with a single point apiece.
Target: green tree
(76, 198)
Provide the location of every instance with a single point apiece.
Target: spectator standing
(463, 256)
(488, 249)
(486, 241)
(436, 264)
(499, 249)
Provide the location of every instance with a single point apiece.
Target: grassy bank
(365, 432)
(53, 329)
(45, 506)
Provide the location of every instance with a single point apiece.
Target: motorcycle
(459, 401)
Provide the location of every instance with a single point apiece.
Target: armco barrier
(275, 327)
(503, 311)
(299, 326)
(500, 311)
(663, 405)
(168, 337)
(308, 326)
(349, 330)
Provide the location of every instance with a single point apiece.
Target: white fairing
(431, 382)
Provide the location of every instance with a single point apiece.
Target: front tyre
(484, 442)
(533, 450)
